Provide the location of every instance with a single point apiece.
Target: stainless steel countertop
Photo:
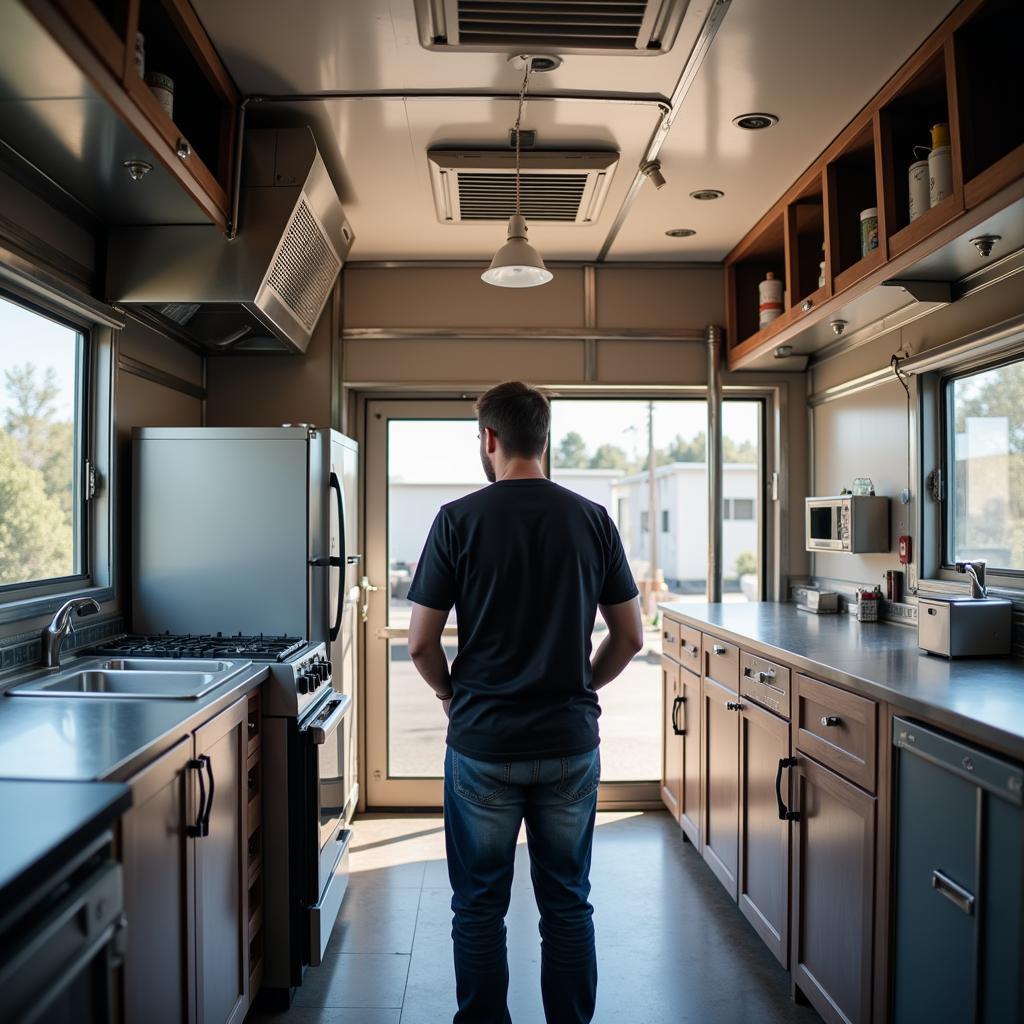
(981, 698)
(73, 738)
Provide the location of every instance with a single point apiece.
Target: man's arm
(425, 629)
(625, 638)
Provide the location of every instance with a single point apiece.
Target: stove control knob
(322, 671)
(302, 682)
(314, 682)
(330, 669)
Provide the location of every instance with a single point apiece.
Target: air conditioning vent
(304, 266)
(480, 185)
(624, 27)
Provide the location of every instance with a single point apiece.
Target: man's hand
(624, 640)
(446, 704)
(425, 628)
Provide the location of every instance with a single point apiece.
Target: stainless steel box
(962, 626)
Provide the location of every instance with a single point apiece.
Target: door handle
(956, 894)
(676, 704)
(784, 813)
(197, 764)
(209, 799)
(335, 485)
(733, 705)
(367, 588)
(717, 649)
(831, 721)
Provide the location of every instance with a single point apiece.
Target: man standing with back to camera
(526, 564)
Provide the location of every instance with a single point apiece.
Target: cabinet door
(764, 837)
(672, 739)
(221, 889)
(689, 717)
(156, 853)
(720, 733)
(833, 894)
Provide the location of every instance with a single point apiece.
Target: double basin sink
(165, 678)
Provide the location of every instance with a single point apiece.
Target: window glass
(40, 408)
(986, 431)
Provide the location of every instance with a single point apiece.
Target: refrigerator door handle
(336, 625)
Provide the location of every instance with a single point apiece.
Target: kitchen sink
(132, 677)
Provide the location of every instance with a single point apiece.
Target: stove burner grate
(169, 645)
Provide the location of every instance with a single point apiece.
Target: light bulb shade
(517, 264)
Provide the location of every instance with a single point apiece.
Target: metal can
(894, 585)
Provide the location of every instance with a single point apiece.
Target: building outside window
(664, 520)
(42, 409)
(644, 521)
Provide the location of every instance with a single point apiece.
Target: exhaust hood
(264, 290)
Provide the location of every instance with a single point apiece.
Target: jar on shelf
(162, 87)
(940, 165)
(769, 294)
(868, 230)
(918, 184)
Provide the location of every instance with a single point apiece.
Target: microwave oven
(851, 523)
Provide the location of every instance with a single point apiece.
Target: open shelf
(921, 101)
(806, 249)
(853, 187)
(988, 87)
(766, 253)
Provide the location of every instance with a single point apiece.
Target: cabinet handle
(197, 765)
(784, 813)
(733, 705)
(665, 636)
(675, 711)
(808, 305)
(956, 894)
(717, 649)
(184, 150)
(692, 648)
(831, 721)
(209, 802)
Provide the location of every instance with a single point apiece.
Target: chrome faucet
(53, 635)
(976, 572)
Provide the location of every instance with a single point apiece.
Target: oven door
(328, 786)
(823, 526)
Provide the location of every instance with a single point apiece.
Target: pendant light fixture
(517, 264)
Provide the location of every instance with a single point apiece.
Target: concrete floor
(672, 947)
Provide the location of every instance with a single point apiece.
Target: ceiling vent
(639, 28)
(480, 185)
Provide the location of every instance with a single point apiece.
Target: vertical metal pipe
(713, 336)
(652, 511)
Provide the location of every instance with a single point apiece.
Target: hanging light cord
(519, 118)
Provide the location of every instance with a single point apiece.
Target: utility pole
(652, 513)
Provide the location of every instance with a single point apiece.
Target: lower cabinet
(721, 785)
(672, 739)
(763, 882)
(680, 764)
(183, 854)
(833, 893)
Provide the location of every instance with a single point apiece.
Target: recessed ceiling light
(755, 122)
(707, 193)
(680, 232)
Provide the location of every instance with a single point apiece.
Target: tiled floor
(672, 947)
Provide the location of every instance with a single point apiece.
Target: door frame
(427, 794)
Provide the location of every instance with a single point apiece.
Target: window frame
(96, 325)
(947, 460)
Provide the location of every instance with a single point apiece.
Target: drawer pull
(691, 649)
(784, 813)
(956, 894)
(666, 636)
(733, 705)
(762, 677)
(831, 721)
(718, 649)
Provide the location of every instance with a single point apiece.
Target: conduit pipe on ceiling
(713, 448)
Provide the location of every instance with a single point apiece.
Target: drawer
(670, 638)
(689, 648)
(721, 662)
(765, 683)
(837, 728)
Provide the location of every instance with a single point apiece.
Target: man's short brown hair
(520, 417)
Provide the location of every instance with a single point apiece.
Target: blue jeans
(485, 804)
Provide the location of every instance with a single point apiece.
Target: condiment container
(868, 230)
(162, 87)
(140, 54)
(769, 294)
(940, 166)
(893, 585)
(919, 187)
(867, 605)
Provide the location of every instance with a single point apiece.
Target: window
(738, 509)
(644, 521)
(41, 446)
(985, 459)
(664, 520)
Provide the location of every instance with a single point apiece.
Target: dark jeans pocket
(581, 775)
(480, 781)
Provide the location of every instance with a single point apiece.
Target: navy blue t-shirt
(525, 563)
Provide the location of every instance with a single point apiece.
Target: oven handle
(319, 733)
(342, 560)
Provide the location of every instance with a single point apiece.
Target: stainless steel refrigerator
(249, 530)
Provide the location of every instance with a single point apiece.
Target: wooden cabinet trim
(712, 694)
(721, 661)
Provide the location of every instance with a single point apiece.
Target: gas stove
(300, 673)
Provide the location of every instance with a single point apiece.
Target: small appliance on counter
(850, 523)
(962, 625)
(819, 602)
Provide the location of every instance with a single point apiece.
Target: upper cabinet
(935, 159)
(142, 127)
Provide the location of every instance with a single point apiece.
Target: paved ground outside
(631, 712)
